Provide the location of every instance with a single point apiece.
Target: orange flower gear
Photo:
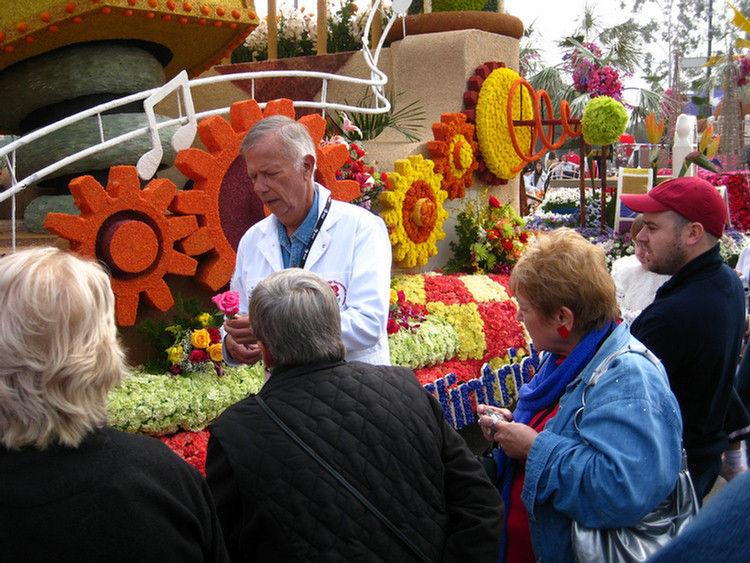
(454, 153)
(223, 197)
(413, 207)
(128, 229)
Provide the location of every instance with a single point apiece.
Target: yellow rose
(200, 338)
(204, 319)
(215, 352)
(174, 354)
(394, 297)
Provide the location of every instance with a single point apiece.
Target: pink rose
(227, 302)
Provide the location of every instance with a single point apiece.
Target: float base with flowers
(457, 331)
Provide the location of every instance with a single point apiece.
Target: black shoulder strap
(379, 515)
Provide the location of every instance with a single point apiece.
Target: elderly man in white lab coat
(346, 245)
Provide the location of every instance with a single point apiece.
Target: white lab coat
(352, 252)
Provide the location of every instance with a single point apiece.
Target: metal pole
(273, 36)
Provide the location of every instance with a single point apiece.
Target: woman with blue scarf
(606, 465)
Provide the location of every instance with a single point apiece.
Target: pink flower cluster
(743, 69)
(588, 77)
(605, 82)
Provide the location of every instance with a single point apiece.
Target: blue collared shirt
(293, 249)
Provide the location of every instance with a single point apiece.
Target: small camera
(494, 415)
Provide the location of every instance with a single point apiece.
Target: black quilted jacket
(386, 435)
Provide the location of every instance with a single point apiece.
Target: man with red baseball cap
(696, 322)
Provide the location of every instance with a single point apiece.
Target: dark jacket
(386, 435)
(116, 498)
(695, 327)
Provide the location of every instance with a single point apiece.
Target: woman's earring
(562, 330)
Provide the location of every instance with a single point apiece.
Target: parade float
(162, 198)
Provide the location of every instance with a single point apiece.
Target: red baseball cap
(694, 198)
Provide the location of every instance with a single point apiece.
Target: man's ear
(695, 233)
(266, 355)
(308, 164)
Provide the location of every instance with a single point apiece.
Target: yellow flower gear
(413, 207)
(492, 122)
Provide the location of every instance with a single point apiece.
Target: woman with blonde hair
(606, 465)
(71, 489)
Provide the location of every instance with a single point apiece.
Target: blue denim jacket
(622, 463)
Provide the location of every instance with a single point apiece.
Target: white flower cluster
(299, 29)
(298, 26)
(564, 197)
(258, 39)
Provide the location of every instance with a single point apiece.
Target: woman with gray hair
(70, 489)
(375, 425)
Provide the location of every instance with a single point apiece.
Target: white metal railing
(187, 120)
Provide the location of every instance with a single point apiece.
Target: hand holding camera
(489, 417)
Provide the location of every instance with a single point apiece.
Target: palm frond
(406, 120)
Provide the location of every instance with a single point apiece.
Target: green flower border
(157, 404)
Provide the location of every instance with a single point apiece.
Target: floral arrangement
(297, 36)
(604, 120)
(190, 344)
(492, 122)
(491, 237)
(298, 32)
(150, 403)
(590, 76)
(371, 181)
(742, 63)
(561, 207)
(413, 210)
(195, 349)
(454, 153)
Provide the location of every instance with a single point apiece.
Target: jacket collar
(700, 266)
(280, 376)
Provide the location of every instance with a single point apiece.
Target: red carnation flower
(198, 356)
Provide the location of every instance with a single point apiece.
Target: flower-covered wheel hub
(454, 153)
(129, 244)
(462, 155)
(420, 212)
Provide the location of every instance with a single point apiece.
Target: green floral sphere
(456, 5)
(604, 120)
